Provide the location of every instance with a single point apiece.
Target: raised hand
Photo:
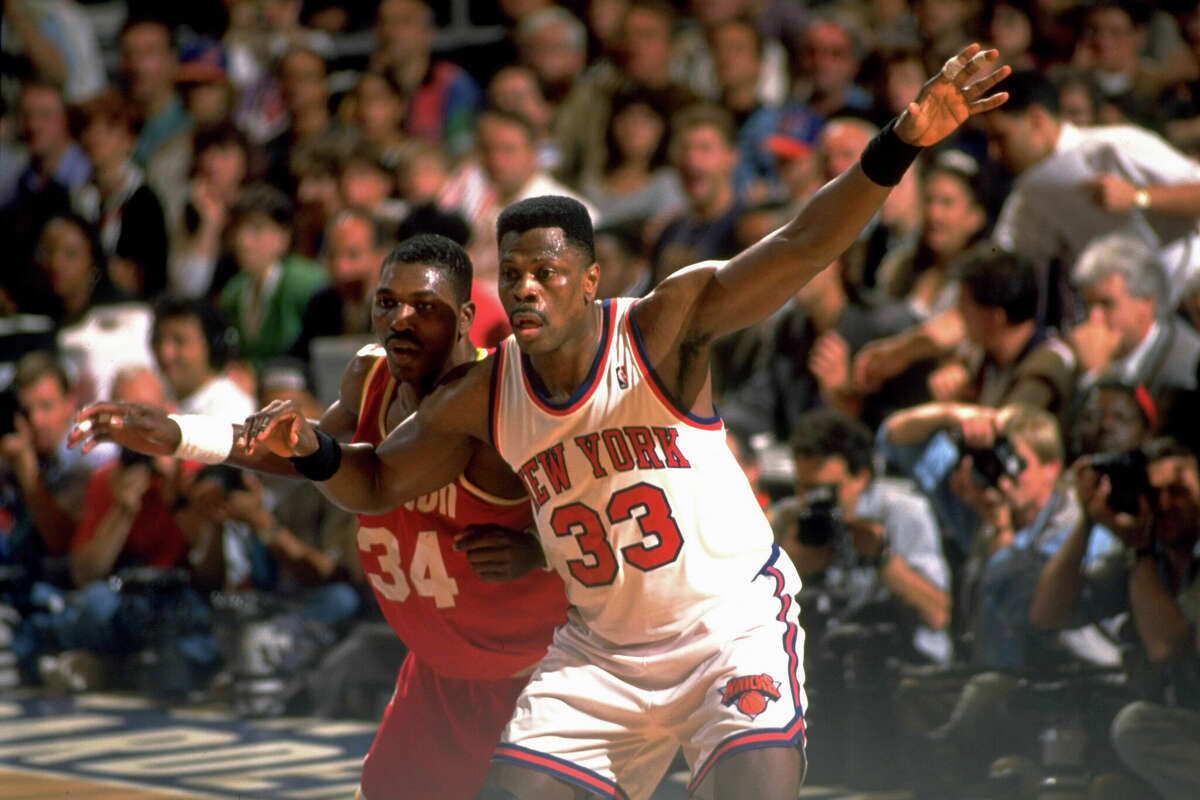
(950, 97)
(280, 427)
(145, 429)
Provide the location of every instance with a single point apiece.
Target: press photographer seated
(870, 543)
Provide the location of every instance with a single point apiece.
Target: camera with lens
(990, 464)
(821, 518)
(1126, 471)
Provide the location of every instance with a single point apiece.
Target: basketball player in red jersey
(681, 632)
(435, 564)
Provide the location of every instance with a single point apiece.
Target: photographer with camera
(1152, 503)
(136, 558)
(1003, 464)
(873, 541)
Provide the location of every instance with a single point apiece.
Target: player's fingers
(981, 86)
(988, 103)
(954, 67)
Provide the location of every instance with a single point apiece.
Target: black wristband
(321, 464)
(887, 157)
(883, 556)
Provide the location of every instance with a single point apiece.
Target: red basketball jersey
(461, 626)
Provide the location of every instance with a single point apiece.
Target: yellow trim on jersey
(491, 498)
(362, 394)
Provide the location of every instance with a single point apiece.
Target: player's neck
(558, 373)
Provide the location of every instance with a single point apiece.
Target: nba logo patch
(751, 693)
(622, 377)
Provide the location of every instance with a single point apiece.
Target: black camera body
(989, 465)
(1126, 471)
(820, 521)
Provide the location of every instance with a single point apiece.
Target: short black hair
(825, 433)
(445, 255)
(997, 278)
(220, 336)
(146, 17)
(1161, 447)
(550, 211)
(219, 134)
(1028, 87)
(265, 199)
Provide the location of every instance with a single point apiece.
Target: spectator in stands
(203, 80)
(1153, 577)
(1113, 417)
(117, 200)
(379, 106)
(954, 217)
(366, 180)
(508, 155)
(1076, 184)
(56, 166)
(58, 41)
(1008, 356)
(355, 246)
(805, 360)
(148, 69)
(636, 184)
(314, 170)
(793, 143)
(193, 343)
(71, 263)
(515, 89)
(831, 52)
(443, 98)
(646, 37)
(553, 43)
(266, 299)
(304, 85)
(737, 52)
(705, 153)
(694, 61)
(1023, 516)
(1130, 333)
(1110, 48)
(886, 555)
(200, 265)
(42, 482)
(942, 28)
(624, 269)
(1011, 30)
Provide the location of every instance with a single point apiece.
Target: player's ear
(591, 280)
(466, 316)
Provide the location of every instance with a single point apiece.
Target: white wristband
(203, 438)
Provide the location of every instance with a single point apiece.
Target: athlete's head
(422, 306)
(548, 272)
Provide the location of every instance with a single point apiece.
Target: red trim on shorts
(712, 423)
(559, 768)
(793, 733)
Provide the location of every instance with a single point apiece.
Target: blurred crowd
(974, 432)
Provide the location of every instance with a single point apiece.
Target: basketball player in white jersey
(682, 631)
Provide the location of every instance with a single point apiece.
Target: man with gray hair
(1129, 332)
(553, 43)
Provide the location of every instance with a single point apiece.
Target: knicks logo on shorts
(751, 693)
(622, 377)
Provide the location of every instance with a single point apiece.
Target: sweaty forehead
(406, 279)
(546, 243)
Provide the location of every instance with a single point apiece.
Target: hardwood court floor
(23, 785)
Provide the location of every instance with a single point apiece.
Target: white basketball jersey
(641, 507)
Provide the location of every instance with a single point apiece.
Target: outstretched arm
(424, 453)
(759, 280)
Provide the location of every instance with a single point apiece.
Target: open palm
(957, 92)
